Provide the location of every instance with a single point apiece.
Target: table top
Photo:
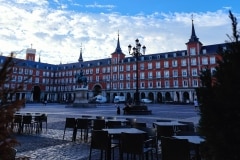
(120, 130)
(192, 139)
(172, 123)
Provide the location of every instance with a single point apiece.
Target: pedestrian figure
(45, 102)
(118, 110)
(196, 104)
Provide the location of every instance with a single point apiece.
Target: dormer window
(174, 55)
(166, 55)
(128, 59)
(89, 64)
(158, 56)
(183, 54)
(142, 58)
(204, 51)
(150, 58)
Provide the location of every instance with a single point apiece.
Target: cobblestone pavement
(49, 144)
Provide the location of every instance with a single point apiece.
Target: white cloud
(58, 34)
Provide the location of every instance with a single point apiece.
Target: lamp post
(136, 52)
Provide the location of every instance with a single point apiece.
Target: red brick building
(163, 77)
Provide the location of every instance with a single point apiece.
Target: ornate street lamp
(136, 52)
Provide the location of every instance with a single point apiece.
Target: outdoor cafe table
(194, 139)
(174, 124)
(118, 131)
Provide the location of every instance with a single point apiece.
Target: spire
(118, 49)
(39, 59)
(80, 59)
(193, 37)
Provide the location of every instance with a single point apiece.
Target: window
(194, 72)
(134, 67)
(175, 83)
(97, 78)
(149, 65)
(128, 67)
(192, 51)
(19, 78)
(166, 84)
(26, 71)
(20, 71)
(121, 86)
(195, 83)
(185, 83)
(121, 76)
(174, 63)
(142, 75)
(212, 60)
(158, 84)
(128, 85)
(149, 74)
(204, 51)
(158, 65)
(103, 70)
(114, 68)
(166, 74)
(193, 61)
(121, 68)
(114, 77)
(184, 72)
(158, 74)
(37, 73)
(36, 80)
(108, 69)
(128, 76)
(142, 84)
(175, 73)
(204, 60)
(142, 66)
(97, 70)
(150, 85)
(184, 62)
(166, 65)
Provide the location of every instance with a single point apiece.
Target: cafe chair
(174, 149)
(130, 121)
(161, 120)
(100, 140)
(69, 123)
(133, 145)
(43, 120)
(151, 136)
(114, 124)
(84, 126)
(17, 123)
(27, 124)
(188, 129)
(98, 124)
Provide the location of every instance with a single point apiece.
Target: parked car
(145, 100)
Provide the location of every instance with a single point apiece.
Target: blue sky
(57, 29)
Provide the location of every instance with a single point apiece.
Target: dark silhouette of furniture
(174, 149)
(84, 125)
(133, 145)
(101, 140)
(98, 124)
(70, 123)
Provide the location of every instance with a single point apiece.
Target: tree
(7, 108)
(220, 105)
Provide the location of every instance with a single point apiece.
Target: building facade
(163, 77)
